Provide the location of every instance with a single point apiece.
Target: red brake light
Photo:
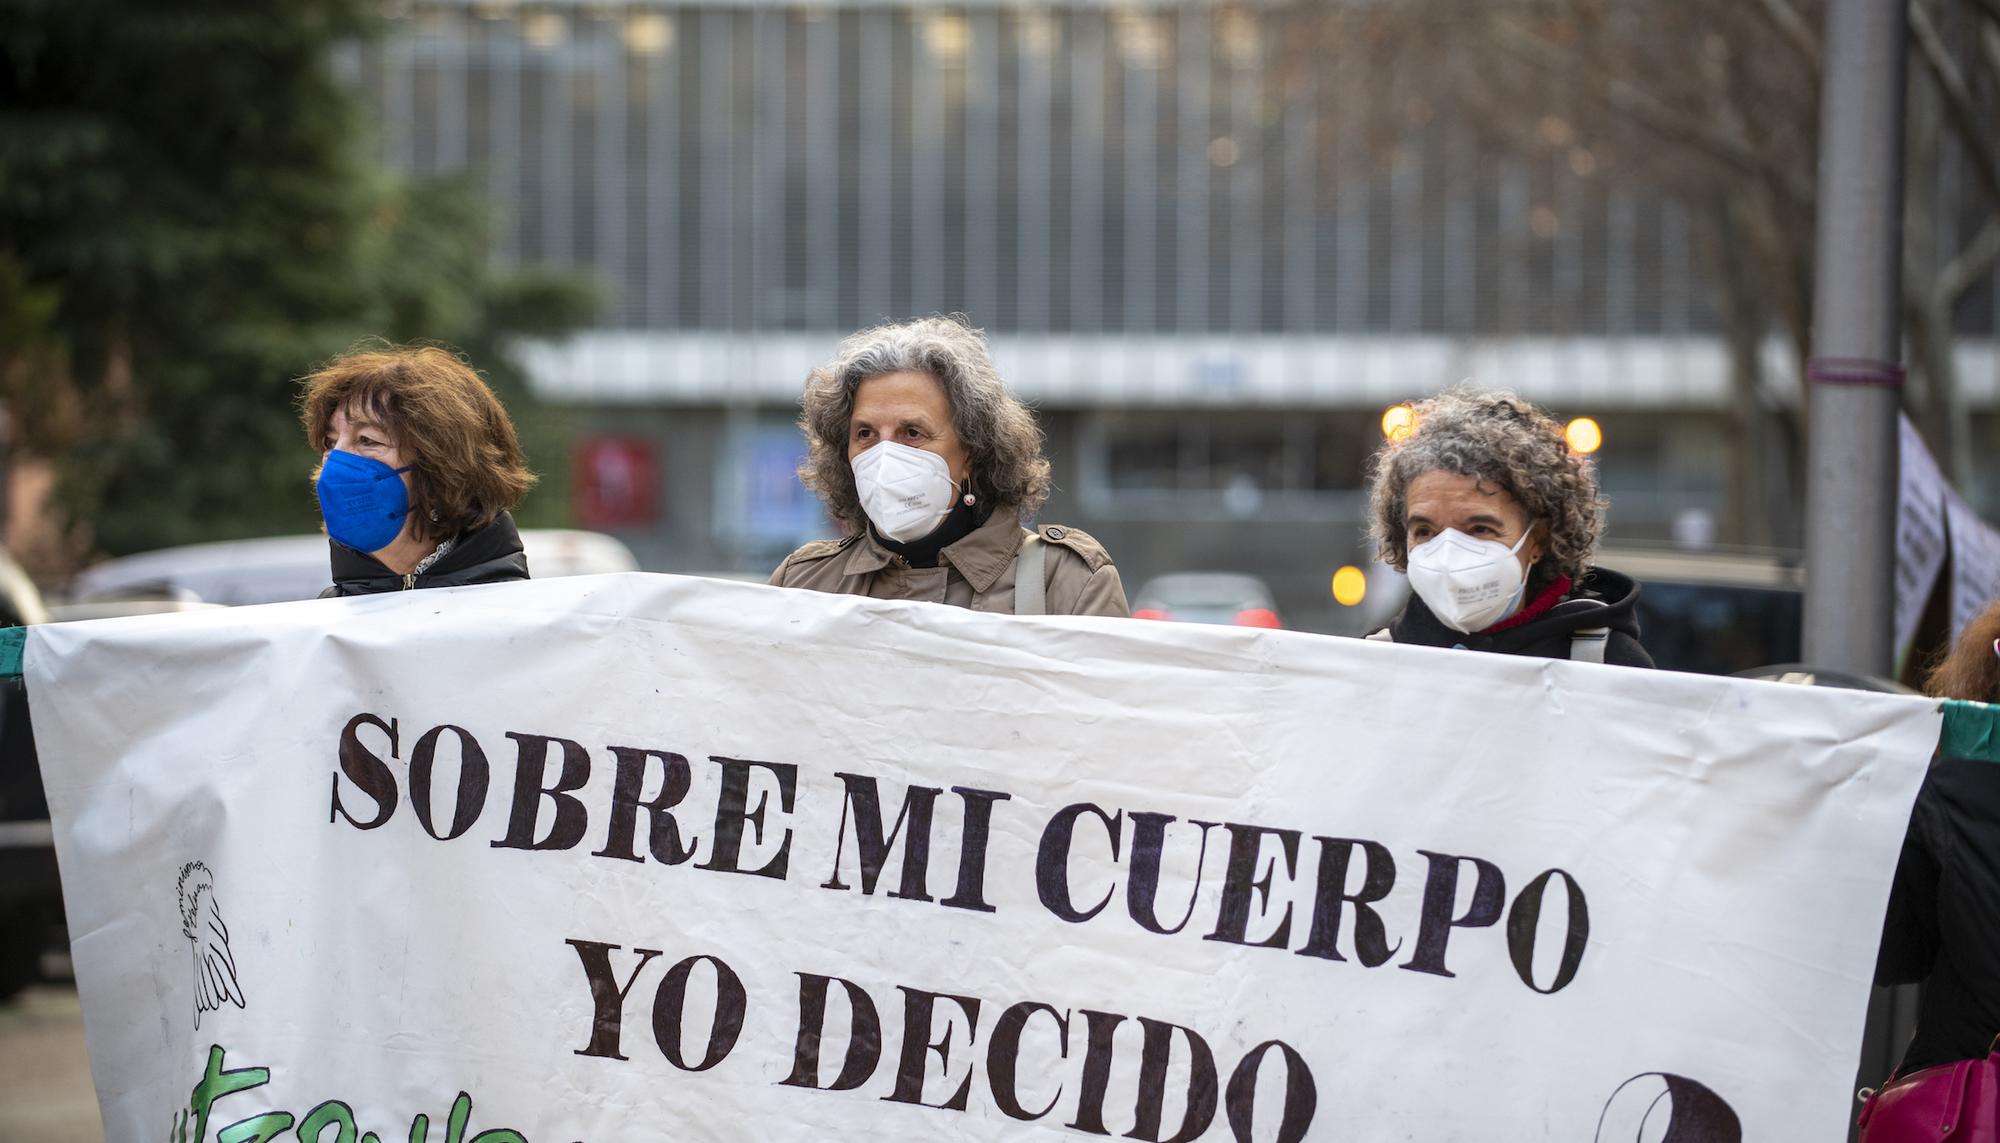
(1258, 617)
(1150, 613)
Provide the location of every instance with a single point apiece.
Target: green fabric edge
(1971, 730)
(13, 643)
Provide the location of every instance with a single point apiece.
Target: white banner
(637, 857)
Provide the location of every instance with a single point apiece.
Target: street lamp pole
(1854, 378)
(1854, 382)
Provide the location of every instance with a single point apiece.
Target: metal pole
(1855, 382)
(1854, 379)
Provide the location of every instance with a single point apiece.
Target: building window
(1232, 463)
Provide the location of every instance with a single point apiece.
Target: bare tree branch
(1651, 112)
(1795, 29)
(1958, 98)
(1969, 265)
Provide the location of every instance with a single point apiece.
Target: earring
(968, 500)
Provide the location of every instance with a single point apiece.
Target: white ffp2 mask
(905, 491)
(1468, 584)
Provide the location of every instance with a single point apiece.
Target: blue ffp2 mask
(362, 500)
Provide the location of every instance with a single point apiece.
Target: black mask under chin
(922, 552)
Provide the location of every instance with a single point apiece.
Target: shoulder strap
(1587, 644)
(1029, 590)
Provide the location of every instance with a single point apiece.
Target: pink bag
(1959, 1102)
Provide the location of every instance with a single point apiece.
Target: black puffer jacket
(488, 555)
(1941, 928)
(1606, 599)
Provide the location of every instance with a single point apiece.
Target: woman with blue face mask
(1493, 518)
(419, 471)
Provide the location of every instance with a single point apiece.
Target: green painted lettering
(216, 1083)
(332, 1113)
(256, 1129)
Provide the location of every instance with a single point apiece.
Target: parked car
(117, 608)
(281, 568)
(1806, 675)
(1207, 597)
(1716, 613)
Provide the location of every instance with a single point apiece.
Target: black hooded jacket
(486, 555)
(1939, 928)
(1605, 599)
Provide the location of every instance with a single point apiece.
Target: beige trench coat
(976, 572)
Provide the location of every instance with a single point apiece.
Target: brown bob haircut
(466, 463)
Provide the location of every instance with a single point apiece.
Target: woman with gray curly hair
(929, 464)
(1494, 519)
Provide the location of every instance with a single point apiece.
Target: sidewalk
(45, 1090)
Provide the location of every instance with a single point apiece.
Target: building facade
(1210, 242)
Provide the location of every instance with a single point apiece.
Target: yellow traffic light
(1584, 435)
(1350, 585)
(1398, 421)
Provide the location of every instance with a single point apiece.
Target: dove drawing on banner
(215, 982)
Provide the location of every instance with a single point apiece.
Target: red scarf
(1550, 596)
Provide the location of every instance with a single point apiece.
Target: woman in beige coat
(929, 464)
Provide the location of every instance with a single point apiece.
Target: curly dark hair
(1495, 437)
(1003, 443)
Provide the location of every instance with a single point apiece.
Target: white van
(281, 568)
